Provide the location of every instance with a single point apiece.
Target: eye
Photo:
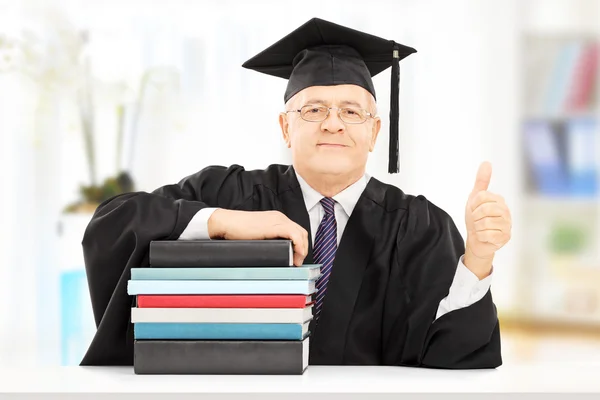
(352, 115)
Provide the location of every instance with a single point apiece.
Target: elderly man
(399, 286)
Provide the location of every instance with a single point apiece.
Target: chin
(333, 165)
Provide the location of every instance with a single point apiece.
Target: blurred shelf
(560, 293)
(559, 35)
(560, 117)
(562, 201)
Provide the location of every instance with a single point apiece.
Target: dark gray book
(214, 357)
(221, 253)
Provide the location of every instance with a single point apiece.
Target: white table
(317, 382)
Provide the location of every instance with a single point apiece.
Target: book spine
(218, 357)
(220, 315)
(220, 253)
(218, 301)
(218, 331)
(221, 273)
(220, 287)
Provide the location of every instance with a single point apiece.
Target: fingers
(485, 197)
(494, 237)
(300, 241)
(275, 224)
(484, 175)
(298, 259)
(491, 209)
(299, 237)
(492, 223)
(300, 249)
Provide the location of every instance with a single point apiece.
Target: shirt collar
(347, 198)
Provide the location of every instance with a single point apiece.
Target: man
(398, 284)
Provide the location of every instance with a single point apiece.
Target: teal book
(304, 272)
(223, 331)
(305, 287)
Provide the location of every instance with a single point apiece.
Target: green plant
(92, 195)
(567, 238)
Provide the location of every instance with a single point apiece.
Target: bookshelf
(559, 131)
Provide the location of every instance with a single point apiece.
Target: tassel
(394, 165)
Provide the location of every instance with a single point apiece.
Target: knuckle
(274, 214)
(278, 213)
(479, 197)
(485, 223)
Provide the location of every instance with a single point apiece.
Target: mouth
(332, 145)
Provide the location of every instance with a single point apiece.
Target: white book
(222, 287)
(223, 315)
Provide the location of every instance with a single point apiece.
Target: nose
(333, 123)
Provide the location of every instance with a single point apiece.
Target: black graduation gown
(394, 264)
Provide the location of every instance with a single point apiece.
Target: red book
(223, 301)
(584, 81)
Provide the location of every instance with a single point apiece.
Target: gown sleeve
(118, 237)
(428, 249)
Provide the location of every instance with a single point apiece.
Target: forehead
(335, 94)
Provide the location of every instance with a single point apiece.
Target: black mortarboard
(321, 53)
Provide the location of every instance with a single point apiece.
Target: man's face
(331, 146)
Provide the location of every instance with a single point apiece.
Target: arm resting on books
(197, 229)
(118, 237)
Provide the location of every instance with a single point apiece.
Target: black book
(221, 253)
(215, 357)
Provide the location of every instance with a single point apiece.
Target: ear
(374, 132)
(285, 129)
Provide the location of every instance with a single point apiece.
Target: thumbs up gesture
(488, 222)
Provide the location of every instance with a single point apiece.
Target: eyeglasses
(350, 115)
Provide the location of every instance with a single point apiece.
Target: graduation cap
(321, 53)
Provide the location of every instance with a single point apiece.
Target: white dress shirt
(466, 288)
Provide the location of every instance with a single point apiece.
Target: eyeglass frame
(369, 115)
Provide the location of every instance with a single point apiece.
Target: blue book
(305, 287)
(582, 155)
(544, 158)
(561, 77)
(304, 272)
(222, 331)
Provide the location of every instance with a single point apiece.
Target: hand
(488, 222)
(258, 225)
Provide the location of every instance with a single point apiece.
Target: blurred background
(97, 98)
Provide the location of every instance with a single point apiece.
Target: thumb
(484, 175)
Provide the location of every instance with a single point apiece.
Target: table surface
(558, 377)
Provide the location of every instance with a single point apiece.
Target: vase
(77, 326)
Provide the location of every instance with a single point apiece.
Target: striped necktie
(324, 250)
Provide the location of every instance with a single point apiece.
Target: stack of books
(222, 307)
